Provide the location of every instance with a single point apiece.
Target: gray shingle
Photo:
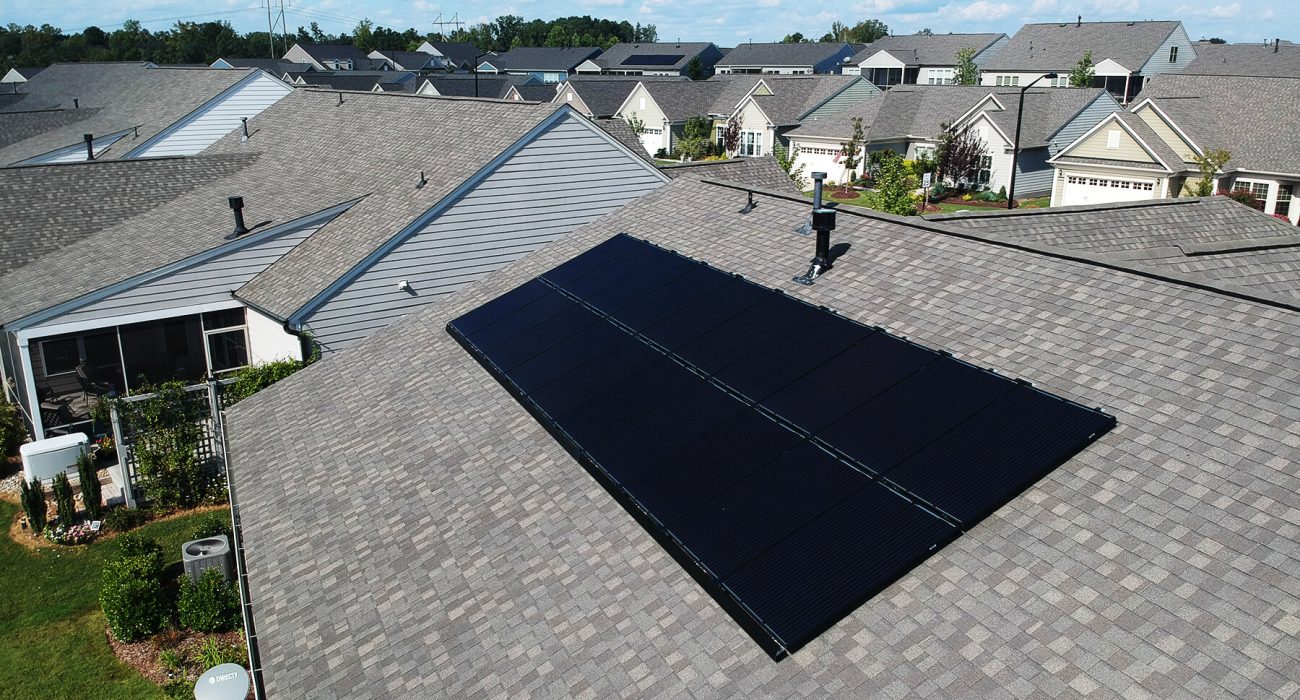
(126, 95)
(926, 50)
(780, 54)
(1059, 46)
(411, 530)
(313, 153)
(617, 56)
(762, 173)
(539, 58)
(1246, 59)
(49, 207)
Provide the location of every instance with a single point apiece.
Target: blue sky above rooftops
(725, 22)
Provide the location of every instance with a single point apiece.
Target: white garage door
(652, 139)
(1101, 190)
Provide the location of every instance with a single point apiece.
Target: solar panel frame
(651, 59)
(651, 338)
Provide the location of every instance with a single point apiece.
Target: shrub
(179, 688)
(215, 653)
(167, 432)
(211, 525)
(132, 596)
(63, 500)
(210, 605)
(121, 518)
(34, 506)
(254, 378)
(133, 545)
(172, 661)
(1002, 193)
(88, 476)
(13, 432)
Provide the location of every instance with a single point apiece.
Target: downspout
(305, 341)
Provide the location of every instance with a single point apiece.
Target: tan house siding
(1095, 146)
(1168, 135)
(751, 118)
(652, 118)
(570, 97)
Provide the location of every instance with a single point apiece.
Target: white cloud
(1113, 7)
(978, 10)
(1223, 11)
(1042, 6)
(880, 6)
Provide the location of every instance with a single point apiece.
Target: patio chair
(89, 386)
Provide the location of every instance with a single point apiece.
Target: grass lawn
(867, 199)
(52, 642)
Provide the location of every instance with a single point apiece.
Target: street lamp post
(1015, 147)
(476, 58)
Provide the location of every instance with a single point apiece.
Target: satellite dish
(224, 682)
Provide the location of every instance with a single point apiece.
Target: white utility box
(44, 459)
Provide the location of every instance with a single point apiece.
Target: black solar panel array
(794, 461)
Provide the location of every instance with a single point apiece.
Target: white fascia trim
(175, 126)
(38, 332)
(1170, 122)
(985, 117)
(1262, 173)
(70, 305)
(1102, 167)
(976, 108)
(110, 138)
(297, 318)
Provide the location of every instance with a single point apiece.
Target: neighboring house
(329, 56)
(129, 110)
(786, 59)
(403, 60)
(1150, 151)
(666, 59)
(1125, 55)
(1155, 562)
(367, 81)
(765, 107)
(1278, 59)
(452, 56)
(19, 74)
(345, 239)
(279, 67)
(598, 97)
(550, 65)
(1213, 241)
(909, 120)
(474, 85)
(762, 173)
(920, 59)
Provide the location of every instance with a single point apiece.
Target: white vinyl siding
(207, 282)
(76, 153)
(856, 93)
(205, 126)
(566, 177)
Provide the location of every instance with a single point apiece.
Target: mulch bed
(143, 656)
(845, 194)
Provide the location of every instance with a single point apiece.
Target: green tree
(958, 155)
(695, 140)
(363, 35)
(796, 38)
(786, 157)
(1081, 76)
(1209, 165)
(925, 32)
(967, 72)
(863, 32)
(695, 69)
(851, 152)
(896, 186)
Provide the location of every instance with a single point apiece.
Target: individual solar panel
(796, 462)
(647, 59)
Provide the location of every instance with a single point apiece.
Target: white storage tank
(44, 459)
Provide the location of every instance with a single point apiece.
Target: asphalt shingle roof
(1246, 59)
(489, 85)
(459, 53)
(342, 52)
(616, 57)
(408, 60)
(603, 95)
(410, 529)
(274, 66)
(1257, 120)
(794, 95)
(126, 95)
(762, 173)
(1214, 240)
(780, 54)
(543, 58)
(927, 50)
(44, 208)
(1058, 46)
(313, 153)
(357, 80)
(1046, 111)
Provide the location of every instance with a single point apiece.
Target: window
(225, 339)
(1173, 54)
(1008, 80)
(718, 134)
(1283, 201)
(1112, 139)
(924, 152)
(940, 76)
(642, 102)
(568, 96)
(751, 143)
(986, 169)
(1061, 82)
(60, 355)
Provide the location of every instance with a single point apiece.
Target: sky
(724, 22)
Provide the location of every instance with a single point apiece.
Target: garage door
(1101, 190)
(652, 139)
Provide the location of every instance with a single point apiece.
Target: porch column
(33, 399)
(1126, 79)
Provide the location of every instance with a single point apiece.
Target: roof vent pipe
(1276, 42)
(237, 205)
(76, 103)
(90, 146)
(1079, 22)
(823, 222)
(244, 121)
